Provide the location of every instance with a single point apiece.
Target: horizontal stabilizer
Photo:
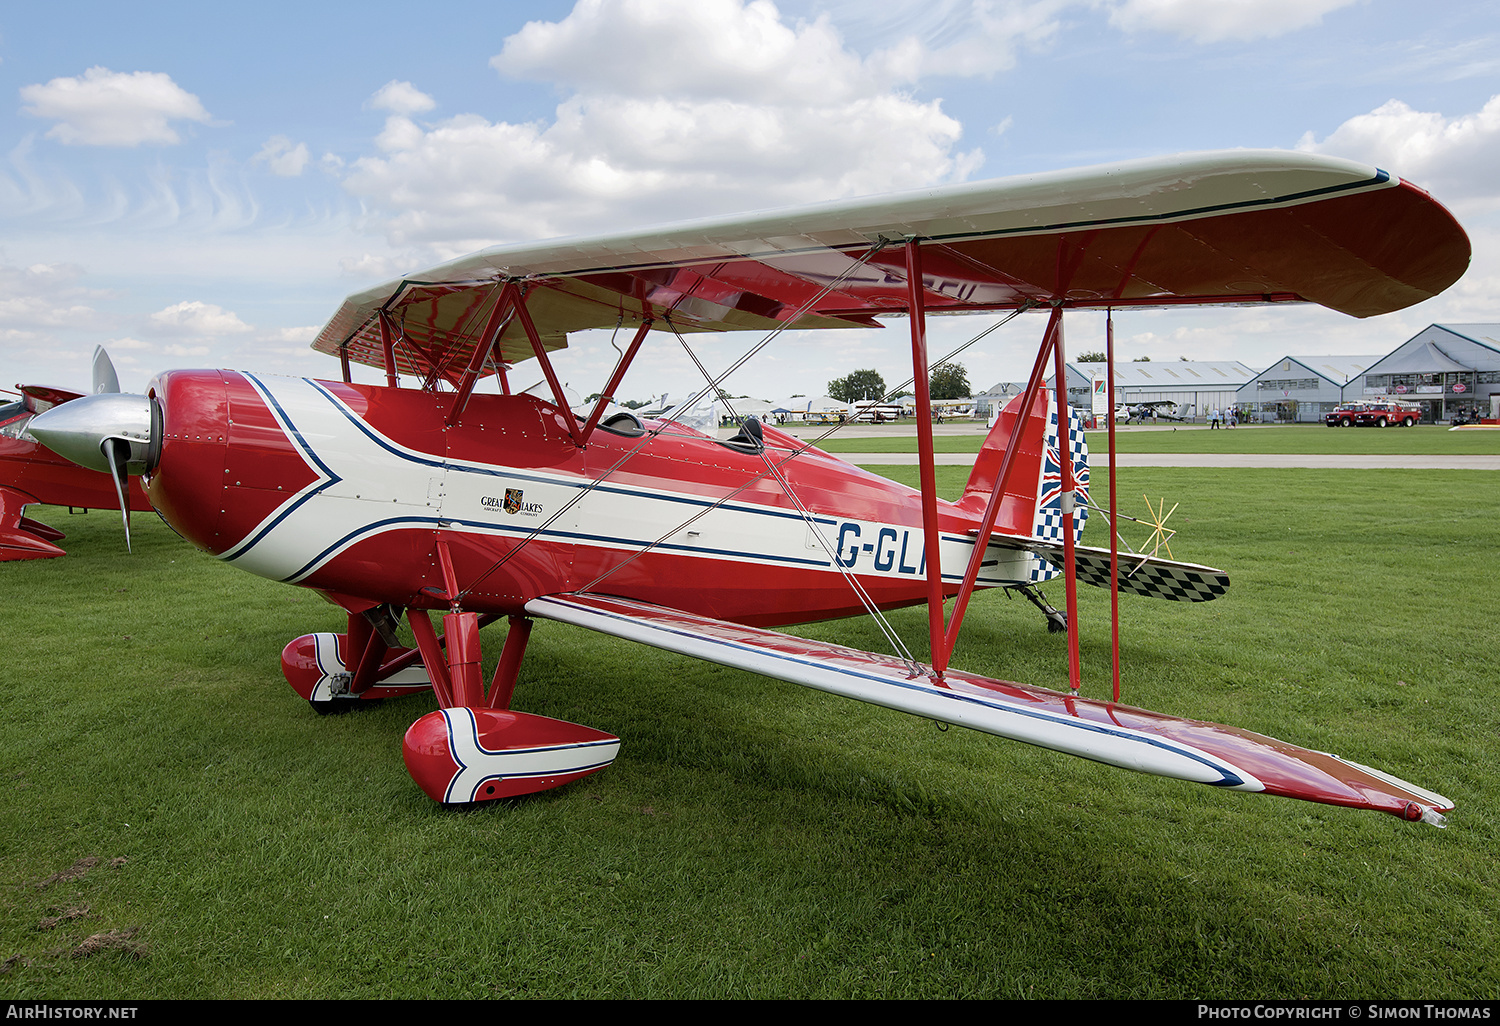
(41, 530)
(19, 543)
(22, 537)
(1140, 574)
(1119, 735)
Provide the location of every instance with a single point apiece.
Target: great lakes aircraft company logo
(514, 503)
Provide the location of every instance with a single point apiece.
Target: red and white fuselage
(349, 488)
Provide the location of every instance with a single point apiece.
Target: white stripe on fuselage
(368, 484)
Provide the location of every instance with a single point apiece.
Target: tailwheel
(1057, 620)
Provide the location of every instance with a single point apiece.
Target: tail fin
(20, 536)
(1033, 492)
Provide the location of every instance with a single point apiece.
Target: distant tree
(1141, 359)
(949, 381)
(629, 404)
(861, 384)
(1093, 356)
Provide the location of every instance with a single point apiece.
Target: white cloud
(401, 98)
(197, 319)
(282, 157)
(400, 133)
(304, 335)
(108, 108)
(36, 311)
(673, 108)
(375, 267)
(723, 49)
(975, 38)
(1211, 21)
(126, 343)
(1455, 158)
(45, 297)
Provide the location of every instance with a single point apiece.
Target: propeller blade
(117, 452)
(105, 379)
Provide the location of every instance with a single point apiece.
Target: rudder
(1033, 494)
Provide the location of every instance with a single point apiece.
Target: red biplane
(32, 473)
(397, 501)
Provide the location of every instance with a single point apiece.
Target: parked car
(1344, 415)
(1387, 414)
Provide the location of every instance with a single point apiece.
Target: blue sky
(194, 185)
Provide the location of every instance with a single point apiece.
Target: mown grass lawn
(755, 839)
(1301, 439)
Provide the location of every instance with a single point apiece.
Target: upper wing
(1240, 226)
(44, 397)
(1119, 735)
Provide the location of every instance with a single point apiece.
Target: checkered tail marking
(1049, 521)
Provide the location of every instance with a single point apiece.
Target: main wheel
(339, 706)
(1346, 422)
(1408, 422)
(1380, 422)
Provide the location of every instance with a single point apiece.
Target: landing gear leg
(474, 748)
(1057, 620)
(356, 669)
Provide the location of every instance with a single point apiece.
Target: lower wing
(1207, 753)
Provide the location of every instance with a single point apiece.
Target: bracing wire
(786, 486)
(773, 469)
(594, 483)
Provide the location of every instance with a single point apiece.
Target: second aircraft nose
(80, 430)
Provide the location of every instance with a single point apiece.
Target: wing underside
(1236, 227)
(1149, 742)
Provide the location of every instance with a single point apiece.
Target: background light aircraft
(1162, 409)
(32, 473)
(398, 501)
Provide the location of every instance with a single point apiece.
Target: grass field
(1302, 439)
(755, 839)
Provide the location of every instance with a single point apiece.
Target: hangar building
(1301, 389)
(1193, 387)
(1447, 369)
